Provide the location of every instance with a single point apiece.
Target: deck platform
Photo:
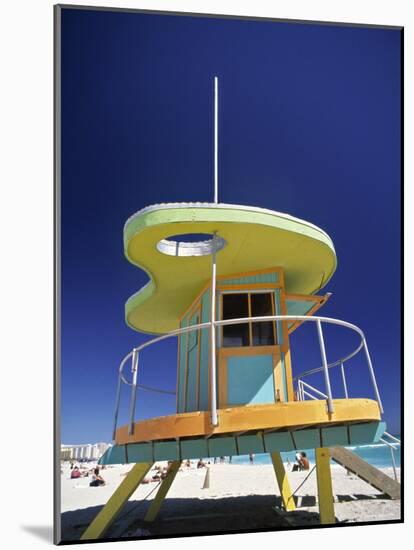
(241, 430)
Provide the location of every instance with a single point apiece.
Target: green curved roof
(256, 238)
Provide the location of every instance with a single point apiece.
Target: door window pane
(261, 305)
(235, 306)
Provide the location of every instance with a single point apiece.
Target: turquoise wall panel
(222, 446)
(307, 439)
(204, 343)
(279, 441)
(193, 336)
(298, 307)
(166, 450)
(250, 444)
(262, 278)
(205, 351)
(114, 455)
(194, 448)
(250, 380)
(140, 452)
(192, 365)
(191, 402)
(181, 366)
(105, 458)
(364, 434)
(335, 435)
(181, 372)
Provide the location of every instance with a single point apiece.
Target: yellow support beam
(325, 494)
(283, 482)
(155, 505)
(114, 505)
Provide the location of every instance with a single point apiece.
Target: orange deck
(232, 421)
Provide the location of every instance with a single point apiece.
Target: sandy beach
(239, 497)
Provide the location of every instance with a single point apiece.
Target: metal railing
(391, 445)
(310, 391)
(340, 362)
(304, 389)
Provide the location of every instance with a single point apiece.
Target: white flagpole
(214, 419)
(216, 139)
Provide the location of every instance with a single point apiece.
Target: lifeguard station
(232, 283)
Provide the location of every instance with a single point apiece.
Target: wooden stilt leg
(325, 494)
(155, 505)
(114, 505)
(283, 482)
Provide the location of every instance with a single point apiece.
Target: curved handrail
(121, 367)
(281, 318)
(243, 320)
(331, 365)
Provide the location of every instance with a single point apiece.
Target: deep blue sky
(309, 125)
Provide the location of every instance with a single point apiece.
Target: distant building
(83, 452)
(65, 453)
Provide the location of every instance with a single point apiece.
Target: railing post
(301, 396)
(135, 357)
(391, 447)
(371, 371)
(394, 467)
(214, 419)
(325, 366)
(344, 381)
(117, 401)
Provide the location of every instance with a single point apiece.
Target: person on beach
(75, 473)
(166, 469)
(97, 480)
(201, 464)
(155, 477)
(162, 471)
(304, 461)
(149, 480)
(297, 465)
(157, 473)
(251, 458)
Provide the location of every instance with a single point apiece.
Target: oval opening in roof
(191, 244)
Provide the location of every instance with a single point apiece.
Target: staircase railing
(310, 391)
(391, 445)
